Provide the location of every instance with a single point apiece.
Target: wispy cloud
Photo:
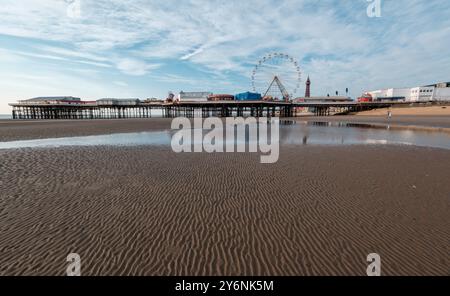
(121, 83)
(216, 42)
(135, 67)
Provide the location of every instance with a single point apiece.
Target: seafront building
(428, 93)
(69, 100)
(323, 99)
(201, 96)
(117, 102)
(248, 96)
(51, 100)
(221, 97)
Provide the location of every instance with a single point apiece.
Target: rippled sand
(148, 211)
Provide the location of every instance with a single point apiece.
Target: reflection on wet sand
(291, 133)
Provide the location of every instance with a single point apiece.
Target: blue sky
(145, 48)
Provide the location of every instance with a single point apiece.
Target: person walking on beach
(389, 114)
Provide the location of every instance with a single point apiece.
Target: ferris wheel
(276, 76)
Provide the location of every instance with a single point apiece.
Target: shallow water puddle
(339, 133)
(291, 133)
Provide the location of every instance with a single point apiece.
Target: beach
(442, 110)
(320, 210)
(13, 130)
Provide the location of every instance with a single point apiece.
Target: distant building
(51, 100)
(193, 96)
(153, 101)
(170, 97)
(323, 99)
(428, 93)
(441, 91)
(365, 98)
(117, 102)
(220, 97)
(248, 96)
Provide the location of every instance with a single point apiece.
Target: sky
(144, 48)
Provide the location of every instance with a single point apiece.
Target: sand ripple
(147, 211)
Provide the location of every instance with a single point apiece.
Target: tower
(308, 88)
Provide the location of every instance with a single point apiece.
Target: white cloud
(335, 40)
(71, 53)
(135, 67)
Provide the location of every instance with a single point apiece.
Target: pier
(188, 109)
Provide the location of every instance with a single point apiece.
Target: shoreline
(432, 121)
(14, 130)
(430, 126)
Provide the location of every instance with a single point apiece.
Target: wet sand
(148, 211)
(443, 110)
(437, 122)
(11, 130)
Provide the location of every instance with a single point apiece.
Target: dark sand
(11, 130)
(401, 120)
(148, 211)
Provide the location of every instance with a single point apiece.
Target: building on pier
(221, 97)
(51, 100)
(117, 102)
(200, 96)
(323, 99)
(248, 96)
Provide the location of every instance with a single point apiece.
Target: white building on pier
(193, 96)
